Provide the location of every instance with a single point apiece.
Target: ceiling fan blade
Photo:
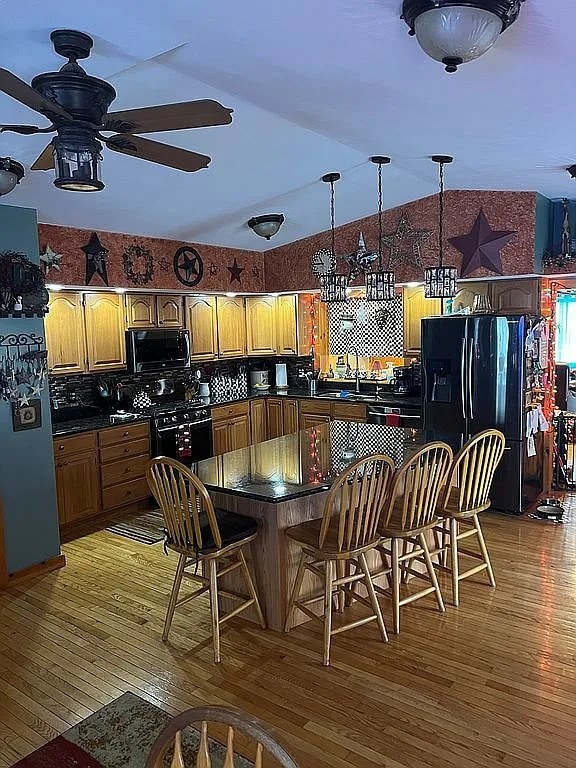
(169, 117)
(44, 161)
(25, 94)
(155, 152)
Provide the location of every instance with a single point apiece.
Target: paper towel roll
(281, 376)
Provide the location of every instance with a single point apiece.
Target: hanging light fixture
(332, 284)
(440, 281)
(457, 31)
(380, 284)
(11, 172)
(266, 225)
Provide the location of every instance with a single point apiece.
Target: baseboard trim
(37, 570)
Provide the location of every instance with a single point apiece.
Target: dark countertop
(90, 423)
(303, 463)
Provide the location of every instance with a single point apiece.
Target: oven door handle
(192, 424)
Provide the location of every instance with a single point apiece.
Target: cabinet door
(261, 325)
(77, 487)
(239, 432)
(516, 296)
(65, 337)
(231, 326)
(169, 311)
(258, 421)
(141, 310)
(308, 420)
(416, 306)
(220, 442)
(201, 322)
(105, 338)
(275, 418)
(286, 335)
(290, 413)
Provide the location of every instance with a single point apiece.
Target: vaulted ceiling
(316, 86)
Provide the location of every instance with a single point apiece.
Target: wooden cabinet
(201, 322)
(220, 439)
(515, 296)
(290, 416)
(286, 335)
(77, 477)
(65, 337)
(313, 412)
(258, 420)
(261, 325)
(141, 310)
(239, 432)
(124, 453)
(231, 326)
(105, 339)
(230, 427)
(348, 412)
(415, 307)
(275, 417)
(169, 311)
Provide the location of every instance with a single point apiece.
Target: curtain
(566, 329)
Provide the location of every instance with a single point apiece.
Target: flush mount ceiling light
(332, 285)
(440, 281)
(456, 32)
(380, 284)
(11, 173)
(267, 225)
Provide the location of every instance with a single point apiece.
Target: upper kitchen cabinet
(105, 338)
(261, 325)
(147, 310)
(201, 322)
(231, 326)
(65, 337)
(286, 336)
(415, 307)
(169, 311)
(515, 296)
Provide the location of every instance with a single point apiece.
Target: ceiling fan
(77, 106)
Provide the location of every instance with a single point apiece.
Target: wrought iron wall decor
(481, 247)
(562, 258)
(405, 244)
(138, 264)
(188, 266)
(23, 367)
(50, 259)
(96, 257)
(22, 288)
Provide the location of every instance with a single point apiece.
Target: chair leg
(252, 588)
(484, 551)
(341, 591)
(173, 597)
(372, 597)
(396, 585)
(431, 571)
(296, 588)
(329, 578)
(454, 566)
(213, 570)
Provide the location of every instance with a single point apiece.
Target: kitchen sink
(351, 396)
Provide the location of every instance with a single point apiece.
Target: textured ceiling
(316, 86)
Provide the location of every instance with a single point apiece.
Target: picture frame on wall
(27, 416)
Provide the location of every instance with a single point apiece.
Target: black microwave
(157, 349)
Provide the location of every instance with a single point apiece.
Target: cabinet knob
(128, 493)
(126, 450)
(126, 434)
(61, 447)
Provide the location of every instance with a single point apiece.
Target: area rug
(147, 528)
(120, 735)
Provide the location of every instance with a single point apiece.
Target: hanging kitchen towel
(392, 419)
(183, 441)
(531, 429)
(543, 425)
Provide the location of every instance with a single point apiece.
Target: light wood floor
(492, 683)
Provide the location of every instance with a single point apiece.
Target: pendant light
(332, 284)
(380, 284)
(440, 281)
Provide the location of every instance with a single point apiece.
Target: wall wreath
(138, 264)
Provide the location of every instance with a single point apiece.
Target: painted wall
(27, 483)
(289, 267)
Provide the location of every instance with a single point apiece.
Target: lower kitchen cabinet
(258, 421)
(230, 427)
(275, 417)
(77, 477)
(124, 453)
(348, 412)
(313, 413)
(290, 416)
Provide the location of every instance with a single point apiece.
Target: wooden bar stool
(466, 495)
(199, 533)
(411, 512)
(347, 530)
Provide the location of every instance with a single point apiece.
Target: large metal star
(235, 272)
(50, 259)
(481, 247)
(405, 244)
(361, 260)
(95, 259)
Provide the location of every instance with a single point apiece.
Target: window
(566, 329)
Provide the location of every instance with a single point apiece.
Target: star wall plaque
(235, 272)
(212, 269)
(405, 244)
(50, 259)
(256, 272)
(188, 266)
(96, 256)
(481, 247)
(164, 265)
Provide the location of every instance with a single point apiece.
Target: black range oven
(182, 432)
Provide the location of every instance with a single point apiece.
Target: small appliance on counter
(407, 380)
(281, 376)
(259, 380)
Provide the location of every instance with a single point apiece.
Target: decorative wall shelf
(24, 313)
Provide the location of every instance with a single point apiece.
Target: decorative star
(405, 244)
(95, 259)
(481, 247)
(164, 265)
(212, 269)
(360, 261)
(255, 271)
(35, 389)
(23, 400)
(188, 266)
(235, 272)
(50, 259)
(22, 377)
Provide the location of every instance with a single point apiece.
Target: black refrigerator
(474, 378)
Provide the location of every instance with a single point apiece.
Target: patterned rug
(120, 735)
(147, 528)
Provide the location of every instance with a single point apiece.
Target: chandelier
(380, 284)
(440, 281)
(332, 284)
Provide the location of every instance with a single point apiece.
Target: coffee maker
(407, 380)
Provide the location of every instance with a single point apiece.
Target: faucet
(357, 371)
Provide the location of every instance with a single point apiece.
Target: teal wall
(542, 232)
(27, 485)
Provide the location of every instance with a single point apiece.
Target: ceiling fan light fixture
(11, 174)
(267, 225)
(571, 170)
(76, 160)
(455, 32)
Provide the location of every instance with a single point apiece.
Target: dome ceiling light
(11, 172)
(456, 32)
(267, 225)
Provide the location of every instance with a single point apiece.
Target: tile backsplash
(375, 329)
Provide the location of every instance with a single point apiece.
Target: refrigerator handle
(471, 378)
(463, 377)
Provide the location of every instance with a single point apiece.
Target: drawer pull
(126, 434)
(128, 493)
(61, 447)
(126, 450)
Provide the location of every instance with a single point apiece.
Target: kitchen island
(283, 482)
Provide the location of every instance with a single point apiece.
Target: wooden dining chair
(466, 495)
(199, 533)
(411, 514)
(334, 547)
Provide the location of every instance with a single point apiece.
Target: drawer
(315, 407)
(123, 450)
(124, 494)
(234, 409)
(349, 411)
(125, 469)
(123, 434)
(68, 446)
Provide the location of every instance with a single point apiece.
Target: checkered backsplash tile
(377, 328)
(354, 439)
